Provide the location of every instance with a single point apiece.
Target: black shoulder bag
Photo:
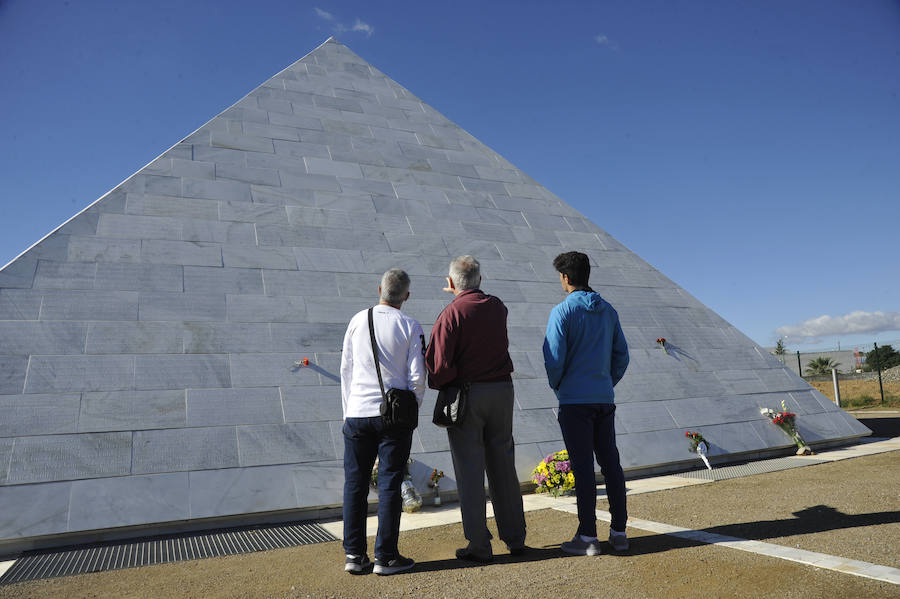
(399, 408)
(450, 407)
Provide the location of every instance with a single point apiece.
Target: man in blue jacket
(585, 355)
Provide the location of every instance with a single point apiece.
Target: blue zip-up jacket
(585, 353)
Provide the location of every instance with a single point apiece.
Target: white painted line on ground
(810, 558)
(5, 566)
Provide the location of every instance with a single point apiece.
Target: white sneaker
(357, 564)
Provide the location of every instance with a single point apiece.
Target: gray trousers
(484, 444)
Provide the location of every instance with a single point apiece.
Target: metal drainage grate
(751, 468)
(100, 557)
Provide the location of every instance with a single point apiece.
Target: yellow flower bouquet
(554, 474)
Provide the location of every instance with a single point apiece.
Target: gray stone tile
(219, 232)
(329, 260)
(222, 407)
(220, 139)
(309, 337)
(99, 250)
(19, 304)
(317, 217)
(311, 182)
(252, 213)
(300, 283)
(312, 403)
(643, 416)
(222, 337)
(19, 338)
(218, 280)
(241, 491)
(271, 444)
(140, 277)
(134, 338)
(299, 150)
(533, 394)
(130, 226)
(18, 274)
(319, 484)
(254, 308)
(245, 174)
(34, 510)
(535, 425)
(151, 205)
(226, 191)
(69, 457)
(250, 257)
(128, 501)
(181, 371)
(356, 285)
(206, 306)
(260, 370)
(35, 414)
(185, 449)
(64, 275)
(66, 374)
(89, 305)
(131, 410)
(186, 253)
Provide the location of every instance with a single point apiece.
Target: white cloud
(855, 322)
(364, 27)
(339, 27)
(602, 40)
(324, 14)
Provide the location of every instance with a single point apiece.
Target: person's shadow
(820, 518)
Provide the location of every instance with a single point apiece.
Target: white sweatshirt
(401, 345)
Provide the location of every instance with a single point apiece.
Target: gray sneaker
(578, 547)
(394, 566)
(618, 542)
(357, 564)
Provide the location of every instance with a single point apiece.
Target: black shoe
(517, 551)
(464, 554)
(357, 564)
(393, 566)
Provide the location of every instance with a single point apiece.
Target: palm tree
(820, 366)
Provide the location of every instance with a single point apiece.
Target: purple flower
(562, 466)
(540, 479)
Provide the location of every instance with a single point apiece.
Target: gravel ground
(849, 508)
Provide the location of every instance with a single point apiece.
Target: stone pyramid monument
(148, 345)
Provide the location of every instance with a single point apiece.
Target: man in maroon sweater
(469, 344)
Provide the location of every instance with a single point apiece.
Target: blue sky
(748, 150)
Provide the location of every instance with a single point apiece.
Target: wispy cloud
(324, 14)
(603, 40)
(855, 322)
(339, 27)
(364, 27)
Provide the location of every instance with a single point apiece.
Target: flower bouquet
(699, 445)
(554, 474)
(662, 343)
(786, 421)
(434, 482)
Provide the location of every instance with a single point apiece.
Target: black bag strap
(375, 354)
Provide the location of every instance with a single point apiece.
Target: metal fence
(854, 382)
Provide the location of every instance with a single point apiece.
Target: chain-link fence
(867, 375)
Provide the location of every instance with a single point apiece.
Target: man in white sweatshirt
(401, 343)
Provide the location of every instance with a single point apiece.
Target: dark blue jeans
(589, 430)
(364, 440)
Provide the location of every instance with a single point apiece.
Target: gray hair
(394, 285)
(465, 271)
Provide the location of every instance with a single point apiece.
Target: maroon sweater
(469, 342)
